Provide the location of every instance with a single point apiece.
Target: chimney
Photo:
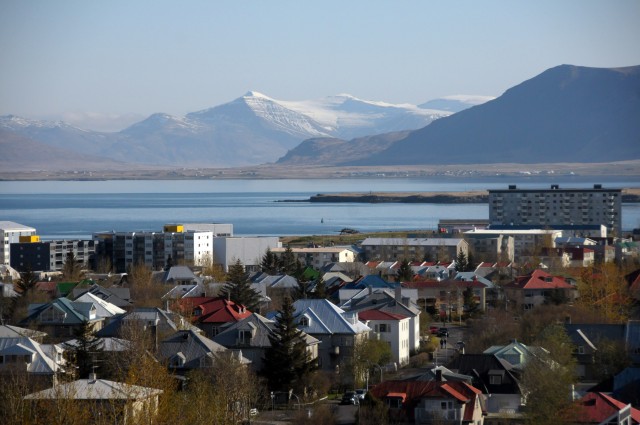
(399, 294)
(93, 377)
(439, 375)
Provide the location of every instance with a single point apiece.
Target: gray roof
(193, 347)
(12, 226)
(164, 320)
(120, 297)
(41, 363)
(108, 344)
(8, 331)
(327, 318)
(471, 276)
(95, 389)
(75, 313)
(261, 327)
(379, 299)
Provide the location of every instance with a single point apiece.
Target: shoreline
(468, 197)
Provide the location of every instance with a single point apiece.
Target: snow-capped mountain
(252, 129)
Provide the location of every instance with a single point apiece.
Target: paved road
(442, 356)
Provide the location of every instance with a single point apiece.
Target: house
(426, 402)
(251, 336)
(391, 328)
(155, 322)
(61, 317)
(395, 315)
(602, 409)
(515, 353)
(120, 297)
(627, 335)
(338, 331)
(211, 314)
(177, 275)
(446, 297)
(537, 288)
(24, 354)
(188, 350)
(9, 331)
(496, 378)
(584, 353)
(104, 309)
(128, 404)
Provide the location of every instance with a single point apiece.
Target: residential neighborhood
(521, 319)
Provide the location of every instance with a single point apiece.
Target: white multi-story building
(249, 250)
(319, 257)
(525, 242)
(556, 206)
(11, 232)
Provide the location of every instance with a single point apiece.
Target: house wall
(10, 233)
(249, 250)
(504, 403)
(397, 335)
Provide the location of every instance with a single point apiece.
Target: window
(383, 327)
(304, 321)
(244, 337)
(445, 405)
(495, 379)
(581, 349)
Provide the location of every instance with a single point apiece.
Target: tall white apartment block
(557, 206)
(11, 233)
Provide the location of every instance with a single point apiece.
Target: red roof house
(599, 408)
(454, 402)
(211, 314)
(534, 289)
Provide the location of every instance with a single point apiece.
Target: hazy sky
(102, 64)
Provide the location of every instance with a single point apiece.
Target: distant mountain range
(253, 129)
(566, 114)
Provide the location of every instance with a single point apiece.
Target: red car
(433, 330)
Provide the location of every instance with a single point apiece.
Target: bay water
(76, 209)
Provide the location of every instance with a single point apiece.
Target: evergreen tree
(269, 263)
(303, 291)
(286, 362)
(461, 262)
(83, 353)
(238, 288)
(405, 273)
(469, 300)
(71, 270)
(320, 290)
(471, 263)
(287, 263)
(27, 281)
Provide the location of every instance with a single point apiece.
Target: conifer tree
(320, 290)
(85, 350)
(287, 263)
(461, 262)
(27, 281)
(405, 273)
(287, 361)
(269, 263)
(238, 288)
(71, 270)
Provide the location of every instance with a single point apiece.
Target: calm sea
(76, 209)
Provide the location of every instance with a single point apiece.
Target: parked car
(350, 397)
(433, 330)
(443, 332)
(360, 393)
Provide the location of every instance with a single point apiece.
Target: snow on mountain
(12, 122)
(455, 103)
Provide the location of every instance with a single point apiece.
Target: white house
(392, 328)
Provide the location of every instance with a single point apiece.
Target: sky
(103, 65)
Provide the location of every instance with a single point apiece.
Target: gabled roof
(371, 281)
(213, 309)
(75, 313)
(120, 297)
(41, 363)
(193, 348)
(374, 314)
(599, 408)
(514, 348)
(379, 299)
(103, 308)
(177, 274)
(481, 366)
(8, 331)
(95, 389)
(538, 279)
(327, 318)
(262, 327)
(165, 321)
(107, 344)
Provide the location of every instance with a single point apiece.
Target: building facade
(556, 206)
(50, 256)
(319, 257)
(11, 232)
(427, 249)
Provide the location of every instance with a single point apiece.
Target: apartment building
(11, 232)
(427, 249)
(319, 257)
(50, 256)
(557, 206)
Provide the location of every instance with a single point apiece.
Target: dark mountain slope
(565, 114)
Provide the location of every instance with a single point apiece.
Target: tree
(287, 263)
(86, 349)
(461, 262)
(27, 281)
(269, 263)
(286, 362)
(238, 288)
(405, 272)
(548, 377)
(604, 290)
(366, 354)
(320, 290)
(469, 299)
(71, 270)
(303, 291)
